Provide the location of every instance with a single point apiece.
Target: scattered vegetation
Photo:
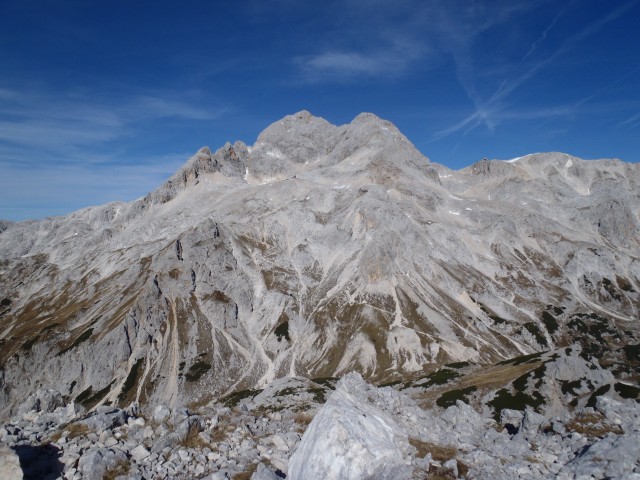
(450, 398)
(594, 396)
(29, 344)
(518, 401)
(532, 358)
(88, 400)
(303, 419)
(234, 398)
(439, 377)
(592, 425)
(72, 430)
(319, 394)
(534, 330)
(119, 469)
(286, 392)
(246, 475)
(624, 284)
(550, 322)
(568, 387)
(131, 380)
(440, 453)
(197, 370)
(458, 365)
(193, 439)
(626, 391)
(329, 382)
(632, 352)
(282, 331)
(82, 338)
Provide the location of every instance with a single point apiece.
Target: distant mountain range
(320, 250)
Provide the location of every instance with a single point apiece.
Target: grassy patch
(286, 392)
(458, 365)
(568, 387)
(197, 370)
(632, 352)
(594, 396)
(440, 453)
(329, 382)
(118, 470)
(247, 474)
(82, 338)
(88, 399)
(450, 398)
(518, 401)
(534, 330)
(592, 425)
(234, 398)
(550, 322)
(532, 358)
(439, 377)
(193, 439)
(626, 391)
(319, 394)
(282, 331)
(131, 380)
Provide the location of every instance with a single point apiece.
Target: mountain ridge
(319, 250)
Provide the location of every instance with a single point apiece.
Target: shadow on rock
(40, 462)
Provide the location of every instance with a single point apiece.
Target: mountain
(319, 250)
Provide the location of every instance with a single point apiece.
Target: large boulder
(351, 438)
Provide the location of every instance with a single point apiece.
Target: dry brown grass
(592, 425)
(73, 430)
(194, 440)
(302, 421)
(440, 453)
(486, 377)
(221, 433)
(121, 468)
(303, 418)
(246, 475)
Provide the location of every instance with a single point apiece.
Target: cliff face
(320, 250)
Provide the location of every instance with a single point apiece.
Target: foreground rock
(553, 415)
(352, 437)
(9, 464)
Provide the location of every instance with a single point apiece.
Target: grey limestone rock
(317, 251)
(9, 464)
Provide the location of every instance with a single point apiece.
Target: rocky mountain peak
(320, 250)
(286, 146)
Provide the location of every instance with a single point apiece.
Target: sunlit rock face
(319, 250)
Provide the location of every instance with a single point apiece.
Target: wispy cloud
(53, 189)
(492, 110)
(67, 126)
(347, 65)
(72, 148)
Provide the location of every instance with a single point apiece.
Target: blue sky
(102, 100)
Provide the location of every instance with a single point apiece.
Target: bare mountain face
(320, 250)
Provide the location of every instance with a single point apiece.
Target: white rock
(9, 464)
(139, 453)
(350, 438)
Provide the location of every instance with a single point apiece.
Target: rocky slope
(547, 415)
(320, 250)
